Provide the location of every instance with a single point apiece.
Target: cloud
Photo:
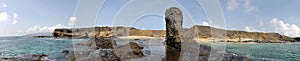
(245, 4)
(205, 23)
(247, 29)
(43, 29)
(72, 21)
(291, 30)
(261, 23)
(4, 5)
(252, 29)
(249, 7)
(3, 16)
(232, 5)
(15, 15)
(14, 22)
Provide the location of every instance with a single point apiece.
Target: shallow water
(12, 46)
(268, 51)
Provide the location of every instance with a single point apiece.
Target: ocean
(14, 46)
(267, 51)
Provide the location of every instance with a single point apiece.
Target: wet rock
(204, 55)
(33, 57)
(92, 55)
(174, 19)
(130, 51)
(105, 49)
(235, 57)
(99, 43)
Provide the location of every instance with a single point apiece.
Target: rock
(234, 57)
(99, 43)
(297, 39)
(174, 19)
(65, 51)
(107, 48)
(33, 57)
(129, 51)
(203, 32)
(91, 55)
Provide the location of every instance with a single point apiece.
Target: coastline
(137, 39)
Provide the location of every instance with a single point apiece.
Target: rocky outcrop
(32, 57)
(91, 32)
(297, 39)
(203, 32)
(108, 48)
(129, 51)
(174, 19)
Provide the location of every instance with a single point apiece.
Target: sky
(21, 17)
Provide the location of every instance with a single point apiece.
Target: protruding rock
(174, 19)
(129, 51)
(32, 57)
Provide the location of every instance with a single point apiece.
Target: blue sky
(19, 17)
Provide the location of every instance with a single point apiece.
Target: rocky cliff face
(203, 32)
(91, 32)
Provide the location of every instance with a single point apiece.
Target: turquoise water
(267, 52)
(14, 46)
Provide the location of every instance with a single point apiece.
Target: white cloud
(205, 23)
(14, 21)
(291, 30)
(232, 5)
(246, 4)
(15, 15)
(247, 29)
(3, 16)
(72, 21)
(252, 29)
(249, 7)
(4, 5)
(261, 23)
(42, 29)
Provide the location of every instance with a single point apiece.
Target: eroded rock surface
(105, 49)
(173, 18)
(32, 57)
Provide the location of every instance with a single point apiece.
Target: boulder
(174, 19)
(129, 51)
(31, 57)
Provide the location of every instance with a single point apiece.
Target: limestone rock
(129, 51)
(174, 19)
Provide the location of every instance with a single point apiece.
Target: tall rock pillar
(174, 19)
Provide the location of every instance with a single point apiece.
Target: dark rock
(65, 51)
(297, 39)
(108, 49)
(33, 57)
(42, 36)
(129, 51)
(174, 19)
(99, 43)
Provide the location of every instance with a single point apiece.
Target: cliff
(202, 32)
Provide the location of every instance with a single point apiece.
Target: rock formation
(32, 57)
(173, 18)
(203, 32)
(109, 51)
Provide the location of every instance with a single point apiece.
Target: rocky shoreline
(180, 43)
(203, 32)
